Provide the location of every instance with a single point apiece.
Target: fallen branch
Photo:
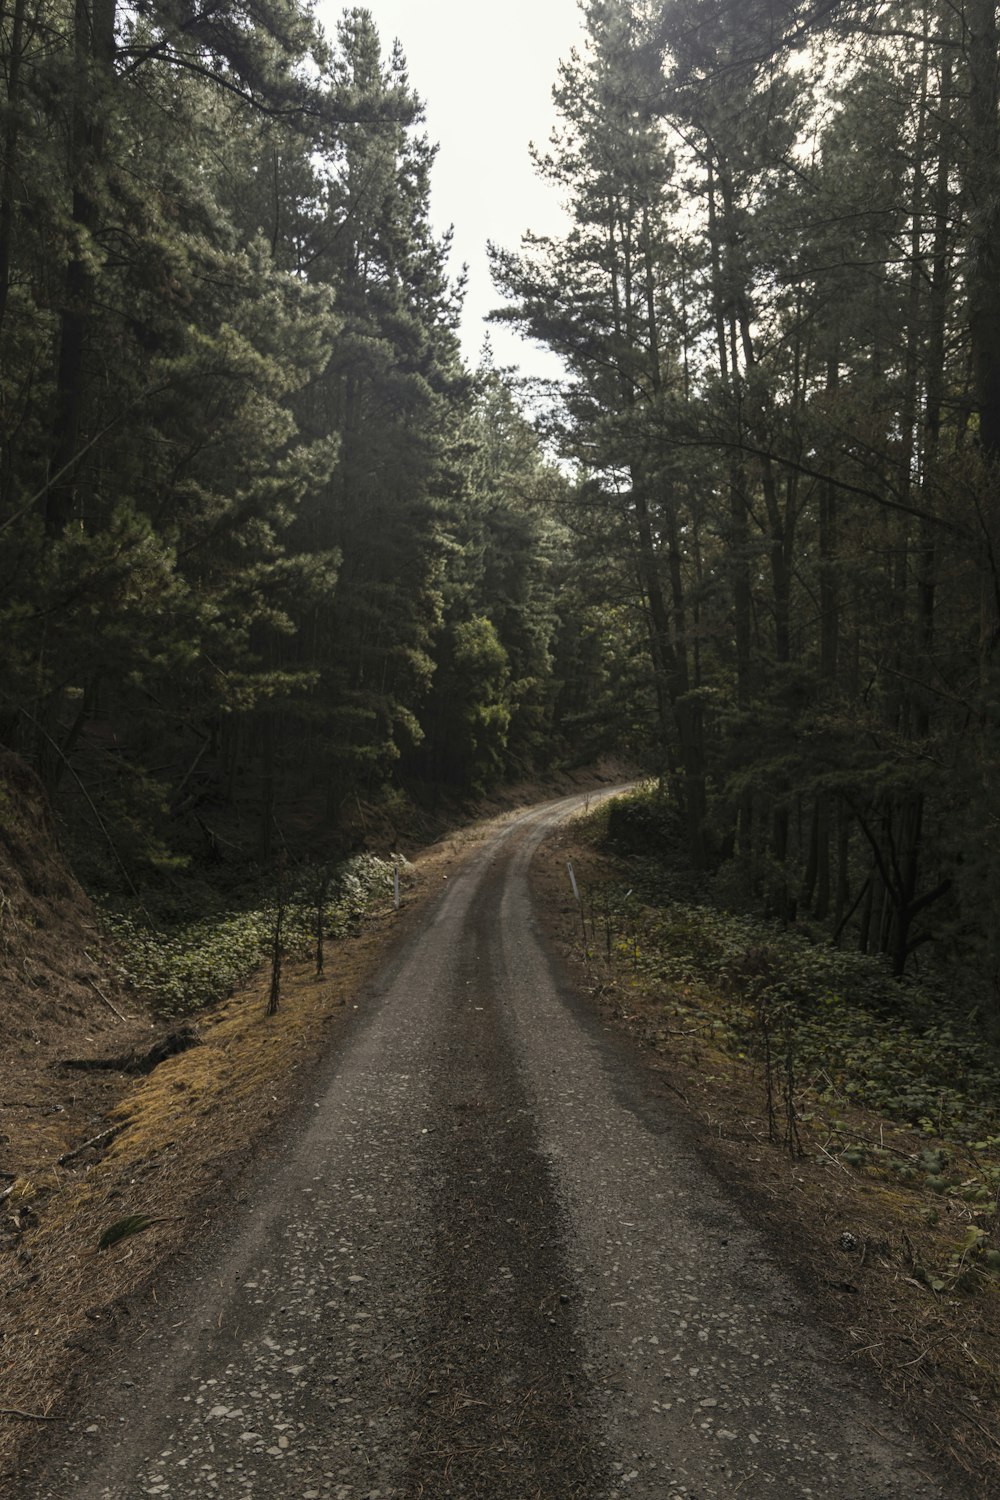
(102, 996)
(28, 1416)
(857, 1135)
(139, 1062)
(675, 1090)
(835, 1159)
(95, 1140)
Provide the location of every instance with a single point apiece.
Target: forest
(270, 550)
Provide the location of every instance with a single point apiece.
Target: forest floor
(188, 1129)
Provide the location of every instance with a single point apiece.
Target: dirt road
(487, 1266)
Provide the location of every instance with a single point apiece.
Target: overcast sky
(485, 73)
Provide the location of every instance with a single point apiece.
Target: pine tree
(603, 299)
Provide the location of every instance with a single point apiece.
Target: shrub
(184, 967)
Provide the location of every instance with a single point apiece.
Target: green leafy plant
(184, 967)
(121, 1229)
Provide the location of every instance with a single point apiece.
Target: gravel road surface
(488, 1266)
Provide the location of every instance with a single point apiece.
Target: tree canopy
(252, 502)
(777, 305)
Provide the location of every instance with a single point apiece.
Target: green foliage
(857, 1034)
(241, 464)
(772, 306)
(122, 1229)
(188, 965)
(469, 713)
(511, 542)
(644, 822)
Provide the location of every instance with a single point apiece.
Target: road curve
(486, 1267)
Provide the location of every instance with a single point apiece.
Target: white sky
(485, 73)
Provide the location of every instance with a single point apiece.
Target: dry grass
(184, 1130)
(58, 992)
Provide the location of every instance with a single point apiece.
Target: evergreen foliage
(777, 305)
(261, 532)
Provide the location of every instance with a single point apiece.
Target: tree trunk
(843, 887)
(10, 144)
(266, 842)
(983, 185)
(93, 50)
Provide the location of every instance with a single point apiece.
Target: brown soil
(856, 1244)
(60, 994)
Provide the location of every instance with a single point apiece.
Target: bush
(184, 967)
(855, 1030)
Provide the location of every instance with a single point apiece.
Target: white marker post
(395, 886)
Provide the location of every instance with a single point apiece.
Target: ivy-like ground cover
(182, 966)
(831, 1034)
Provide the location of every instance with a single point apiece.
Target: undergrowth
(831, 1032)
(184, 965)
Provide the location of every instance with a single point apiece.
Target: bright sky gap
(486, 78)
